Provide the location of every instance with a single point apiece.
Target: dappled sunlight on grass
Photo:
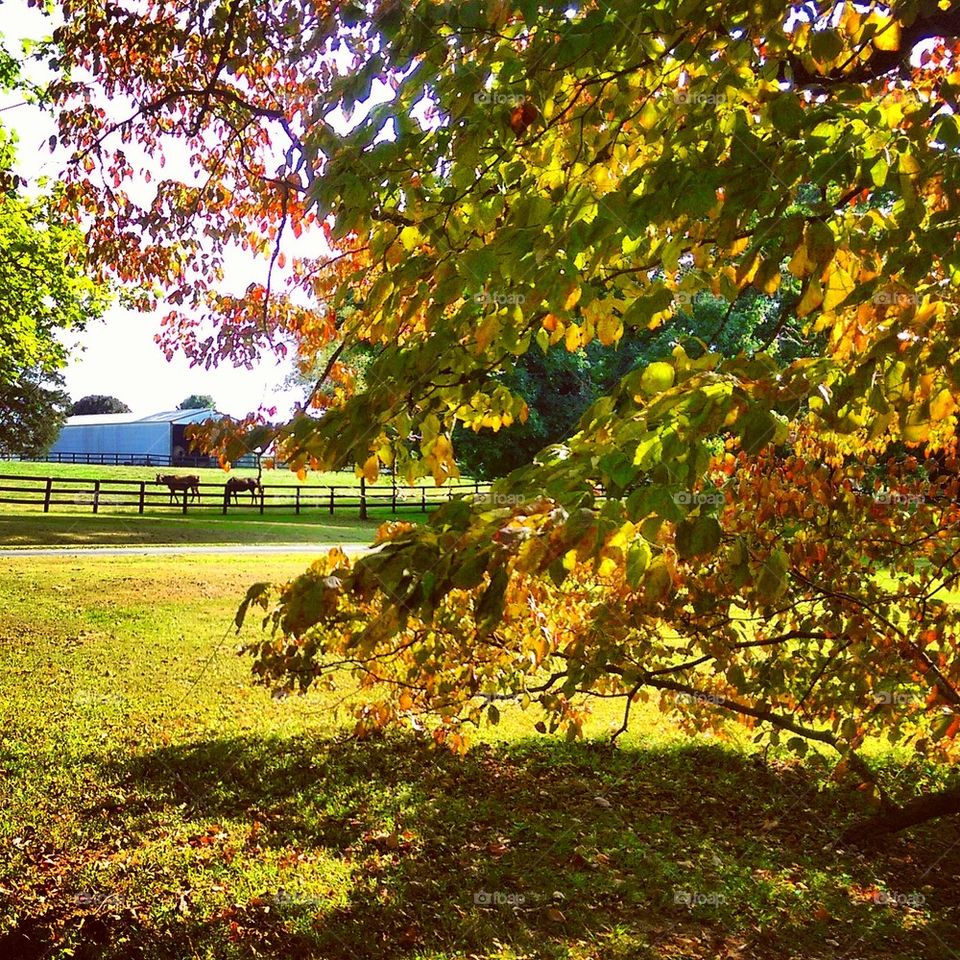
(157, 804)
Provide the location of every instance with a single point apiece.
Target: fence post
(298, 502)
(46, 495)
(226, 499)
(143, 495)
(363, 498)
(331, 501)
(423, 499)
(261, 499)
(96, 495)
(186, 493)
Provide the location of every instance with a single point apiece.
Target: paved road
(180, 550)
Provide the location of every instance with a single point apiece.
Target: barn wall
(115, 438)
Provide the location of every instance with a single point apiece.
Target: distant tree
(198, 401)
(97, 403)
(44, 290)
(558, 386)
(34, 408)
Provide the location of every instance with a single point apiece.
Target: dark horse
(236, 485)
(177, 484)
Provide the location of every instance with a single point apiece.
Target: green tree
(45, 291)
(548, 175)
(198, 401)
(97, 403)
(558, 386)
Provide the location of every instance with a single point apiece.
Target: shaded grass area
(240, 526)
(154, 804)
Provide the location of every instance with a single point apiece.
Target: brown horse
(235, 485)
(177, 484)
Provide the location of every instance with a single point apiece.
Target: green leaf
(697, 536)
(772, 579)
(638, 559)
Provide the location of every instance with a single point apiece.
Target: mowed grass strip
(155, 804)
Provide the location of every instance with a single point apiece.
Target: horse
(233, 487)
(177, 484)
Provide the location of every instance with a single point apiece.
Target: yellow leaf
(811, 299)
(610, 330)
(799, 265)
(487, 331)
(942, 405)
(573, 339)
(839, 286)
(573, 298)
(648, 116)
(409, 237)
(371, 469)
(887, 36)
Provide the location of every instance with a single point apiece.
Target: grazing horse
(235, 485)
(177, 484)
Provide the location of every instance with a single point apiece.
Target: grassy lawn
(240, 526)
(155, 804)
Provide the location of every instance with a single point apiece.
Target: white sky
(118, 356)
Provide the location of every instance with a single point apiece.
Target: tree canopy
(44, 292)
(197, 401)
(724, 533)
(97, 403)
(558, 386)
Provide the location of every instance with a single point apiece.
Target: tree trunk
(918, 810)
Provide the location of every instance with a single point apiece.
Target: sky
(118, 356)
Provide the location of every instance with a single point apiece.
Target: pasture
(155, 804)
(132, 509)
(276, 477)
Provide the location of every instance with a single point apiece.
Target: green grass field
(75, 529)
(155, 804)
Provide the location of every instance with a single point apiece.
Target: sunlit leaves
(542, 185)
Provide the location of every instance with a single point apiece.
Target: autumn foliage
(455, 184)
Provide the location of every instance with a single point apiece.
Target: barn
(125, 438)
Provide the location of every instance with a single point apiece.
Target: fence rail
(100, 495)
(129, 459)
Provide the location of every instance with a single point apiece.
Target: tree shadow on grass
(555, 849)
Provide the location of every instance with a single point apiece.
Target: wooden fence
(100, 495)
(130, 459)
